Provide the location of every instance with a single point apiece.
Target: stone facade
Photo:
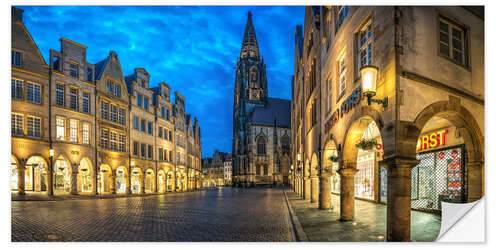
(83, 128)
(261, 124)
(214, 169)
(430, 64)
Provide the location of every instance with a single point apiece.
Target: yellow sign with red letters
(432, 140)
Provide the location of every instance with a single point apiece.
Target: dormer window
(73, 69)
(16, 59)
(143, 83)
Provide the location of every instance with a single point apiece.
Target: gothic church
(261, 124)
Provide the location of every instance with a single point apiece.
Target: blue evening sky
(193, 49)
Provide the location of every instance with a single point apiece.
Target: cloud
(192, 48)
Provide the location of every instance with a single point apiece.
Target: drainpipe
(51, 168)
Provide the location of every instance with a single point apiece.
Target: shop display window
(364, 178)
(335, 179)
(383, 185)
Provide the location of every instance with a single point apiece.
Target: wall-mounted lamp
(51, 152)
(132, 163)
(369, 84)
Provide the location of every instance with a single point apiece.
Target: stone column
(94, 183)
(74, 182)
(325, 194)
(143, 183)
(307, 188)
(113, 181)
(398, 197)
(475, 180)
(49, 175)
(347, 192)
(21, 178)
(314, 189)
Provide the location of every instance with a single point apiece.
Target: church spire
(249, 46)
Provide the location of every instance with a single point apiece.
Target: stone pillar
(307, 188)
(314, 189)
(474, 180)
(143, 182)
(398, 197)
(94, 183)
(113, 181)
(129, 182)
(21, 178)
(74, 182)
(347, 192)
(325, 194)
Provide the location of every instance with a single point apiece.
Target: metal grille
(438, 177)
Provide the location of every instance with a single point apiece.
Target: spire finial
(249, 47)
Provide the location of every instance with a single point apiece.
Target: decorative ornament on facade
(347, 105)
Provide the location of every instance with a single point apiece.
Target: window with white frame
(73, 130)
(16, 58)
(60, 128)
(73, 98)
(342, 69)
(104, 110)
(17, 89)
(104, 138)
(121, 116)
(112, 140)
(121, 143)
(452, 42)
(86, 133)
(113, 112)
(365, 38)
(86, 102)
(33, 92)
(17, 124)
(73, 69)
(60, 98)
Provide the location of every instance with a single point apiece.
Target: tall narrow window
(150, 151)
(143, 150)
(16, 59)
(143, 125)
(136, 123)
(146, 103)
(150, 128)
(342, 75)
(60, 98)
(365, 38)
(86, 133)
(165, 134)
(112, 140)
(121, 116)
(60, 129)
(160, 132)
(56, 63)
(73, 130)
(104, 138)
(33, 126)
(162, 112)
(90, 74)
(16, 124)
(33, 93)
(329, 95)
(17, 89)
(113, 112)
(73, 69)
(73, 98)
(160, 154)
(118, 90)
(109, 87)
(104, 110)
(86, 102)
(167, 115)
(261, 145)
(342, 13)
(136, 148)
(121, 143)
(452, 42)
(139, 100)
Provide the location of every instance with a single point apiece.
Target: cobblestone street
(225, 214)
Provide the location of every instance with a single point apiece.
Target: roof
(99, 68)
(275, 109)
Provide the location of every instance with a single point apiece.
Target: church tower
(250, 90)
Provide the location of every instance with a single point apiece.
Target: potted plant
(367, 144)
(333, 158)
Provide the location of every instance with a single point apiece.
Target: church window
(261, 146)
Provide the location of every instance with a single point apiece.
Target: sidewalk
(32, 196)
(369, 223)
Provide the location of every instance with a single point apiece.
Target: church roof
(275, 109)
(249, 43)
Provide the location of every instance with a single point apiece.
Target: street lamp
(369, 84)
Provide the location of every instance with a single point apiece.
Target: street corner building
(84, 129)
(261, 124)
(388, 107)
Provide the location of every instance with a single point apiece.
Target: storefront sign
(347, 105)
(432, 140)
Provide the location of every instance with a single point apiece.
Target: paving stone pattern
(226, 214)
(369, 223)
